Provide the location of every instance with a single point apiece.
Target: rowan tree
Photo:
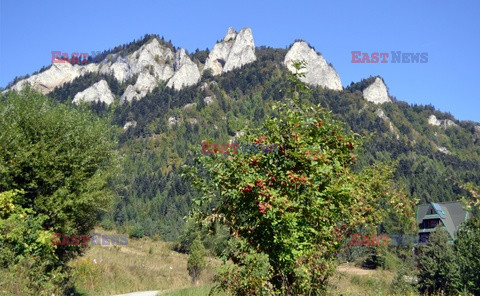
(290, 213)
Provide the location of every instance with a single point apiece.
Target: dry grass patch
(141, 265)
(351, 281)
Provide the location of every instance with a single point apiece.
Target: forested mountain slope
(164, 129)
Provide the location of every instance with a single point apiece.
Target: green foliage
(214, 240)
(200, 55)
(371, 285)
(154, 195)
(196, 262)
(439, 270)
(403, 283)
(68, 90)
(467, 247)
(32, 276)
(85, 273)
(391, 262)
(137, 231)
(297, 206)
(249, 276)
(107, 224)
(55, 163)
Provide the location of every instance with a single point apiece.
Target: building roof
(452, 214)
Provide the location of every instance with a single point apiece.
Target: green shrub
(249, 276)
(391, 261)
(107, 224)
(196, 262)
(403, 283)
(137, 231)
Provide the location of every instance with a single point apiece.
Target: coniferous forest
(153, 196)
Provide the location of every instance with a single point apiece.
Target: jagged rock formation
(153, 62)
(433, 120)
(233, 52)
(145, 83)
(318, 72)
(98, 92)
(57, 75)
(186, 71)
(377, 92)
(151, 57)
(231, 34)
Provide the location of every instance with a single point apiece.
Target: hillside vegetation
(170, 126)
(280, 222)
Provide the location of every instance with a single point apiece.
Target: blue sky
(448, 30)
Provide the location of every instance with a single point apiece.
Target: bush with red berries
(295, 208)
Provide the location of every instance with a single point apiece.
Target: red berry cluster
(248, 188)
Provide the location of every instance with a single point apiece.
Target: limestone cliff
(377, 92)
(234, 51)
(186, 71)
(145, 83)
(318, 72)
(152, 57)
(433, 120)
(98, 92)
(57, 75)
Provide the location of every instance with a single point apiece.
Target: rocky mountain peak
(233, 52)
(318, 71)
(377, 92)
(231, 34)
(186, 71)
(152, 56)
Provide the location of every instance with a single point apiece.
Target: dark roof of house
(452, 214)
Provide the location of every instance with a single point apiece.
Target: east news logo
(397, 57)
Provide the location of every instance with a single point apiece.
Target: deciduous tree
(55, 162)
(294, 208)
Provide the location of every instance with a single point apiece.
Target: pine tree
(439, 270)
